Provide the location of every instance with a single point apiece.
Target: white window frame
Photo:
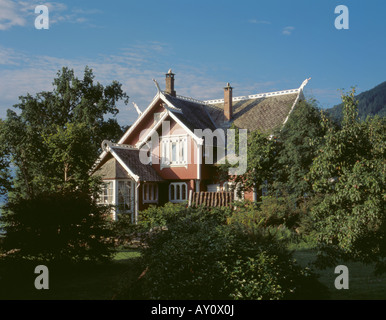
(103, 197)
(178, 187)
(152, 190)
(166, 151)
(132, 195)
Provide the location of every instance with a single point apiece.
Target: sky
(257, 46)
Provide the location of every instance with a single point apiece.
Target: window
(107, 193)
(125, 196)
(174, 151)
(178, 192)
(213, 187)
(150, 193)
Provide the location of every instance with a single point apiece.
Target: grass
(363, 284)
(106, 281)
(126, 254)
(83, 282)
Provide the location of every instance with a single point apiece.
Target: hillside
(371, 103)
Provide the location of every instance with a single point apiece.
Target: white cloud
(134, 67)
(10, 15)
(288, 30)
(255, 21)
(21, 13)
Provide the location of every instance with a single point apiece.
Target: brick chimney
(170, 83)
(228, 113)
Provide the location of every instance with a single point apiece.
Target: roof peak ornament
(304, 83)
(157, 85)
(137, 109)
(106, 145)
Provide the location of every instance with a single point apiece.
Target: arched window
(178, 192)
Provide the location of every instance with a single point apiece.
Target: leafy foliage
(60, 227)
(204, 254)
(262, 150)
(56, 136)
(299, 142)
(52, 140)
(350, 173)
(5, 179)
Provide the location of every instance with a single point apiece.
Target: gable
(144, 123)
(111, 169)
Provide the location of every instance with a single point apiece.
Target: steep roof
(192, 113)
(263, 113)
(119, 158)
(130, 157)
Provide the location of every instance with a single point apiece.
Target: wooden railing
(211, 199)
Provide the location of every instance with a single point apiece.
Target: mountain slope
(371, 103)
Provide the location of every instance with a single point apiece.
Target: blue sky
(257, 46)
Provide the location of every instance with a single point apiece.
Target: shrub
(202, 255)
(57, 226)
(158, 216)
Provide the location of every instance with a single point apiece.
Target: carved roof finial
(137, 109)
(157, 85)
(304, 83)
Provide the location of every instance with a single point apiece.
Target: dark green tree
(52, 140)
(260, 149)
(55, 136)
(5, 179)
(349, 173)
(299, 139)
(262, 158)
(65, 226)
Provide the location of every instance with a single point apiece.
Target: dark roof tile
(194, 115)
(131, 158)
(264, 114)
